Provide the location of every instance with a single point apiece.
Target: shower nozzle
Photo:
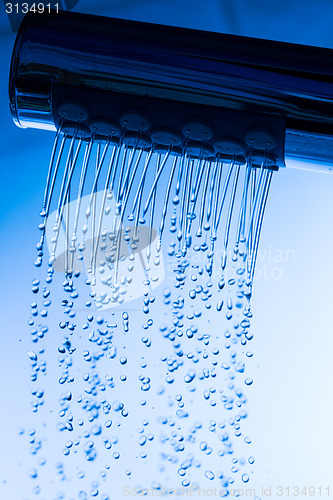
(106, 74)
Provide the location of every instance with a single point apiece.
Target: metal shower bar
(60, 51)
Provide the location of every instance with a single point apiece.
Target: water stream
(140, 321)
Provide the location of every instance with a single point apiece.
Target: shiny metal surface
(309, 151)
(262, 76)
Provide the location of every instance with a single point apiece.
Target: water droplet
(209, 475)
(189, 377)
(142, 440)
(96, 430)
(33, 473)
(91, 454)
(169, 379)
(32, 355)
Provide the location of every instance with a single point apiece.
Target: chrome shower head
(174, 84)
(151, 92)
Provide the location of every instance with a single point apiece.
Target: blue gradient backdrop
(291, 402)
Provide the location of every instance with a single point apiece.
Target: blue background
(290, 404)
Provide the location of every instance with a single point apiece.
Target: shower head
(163, 110)
(234, 95)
